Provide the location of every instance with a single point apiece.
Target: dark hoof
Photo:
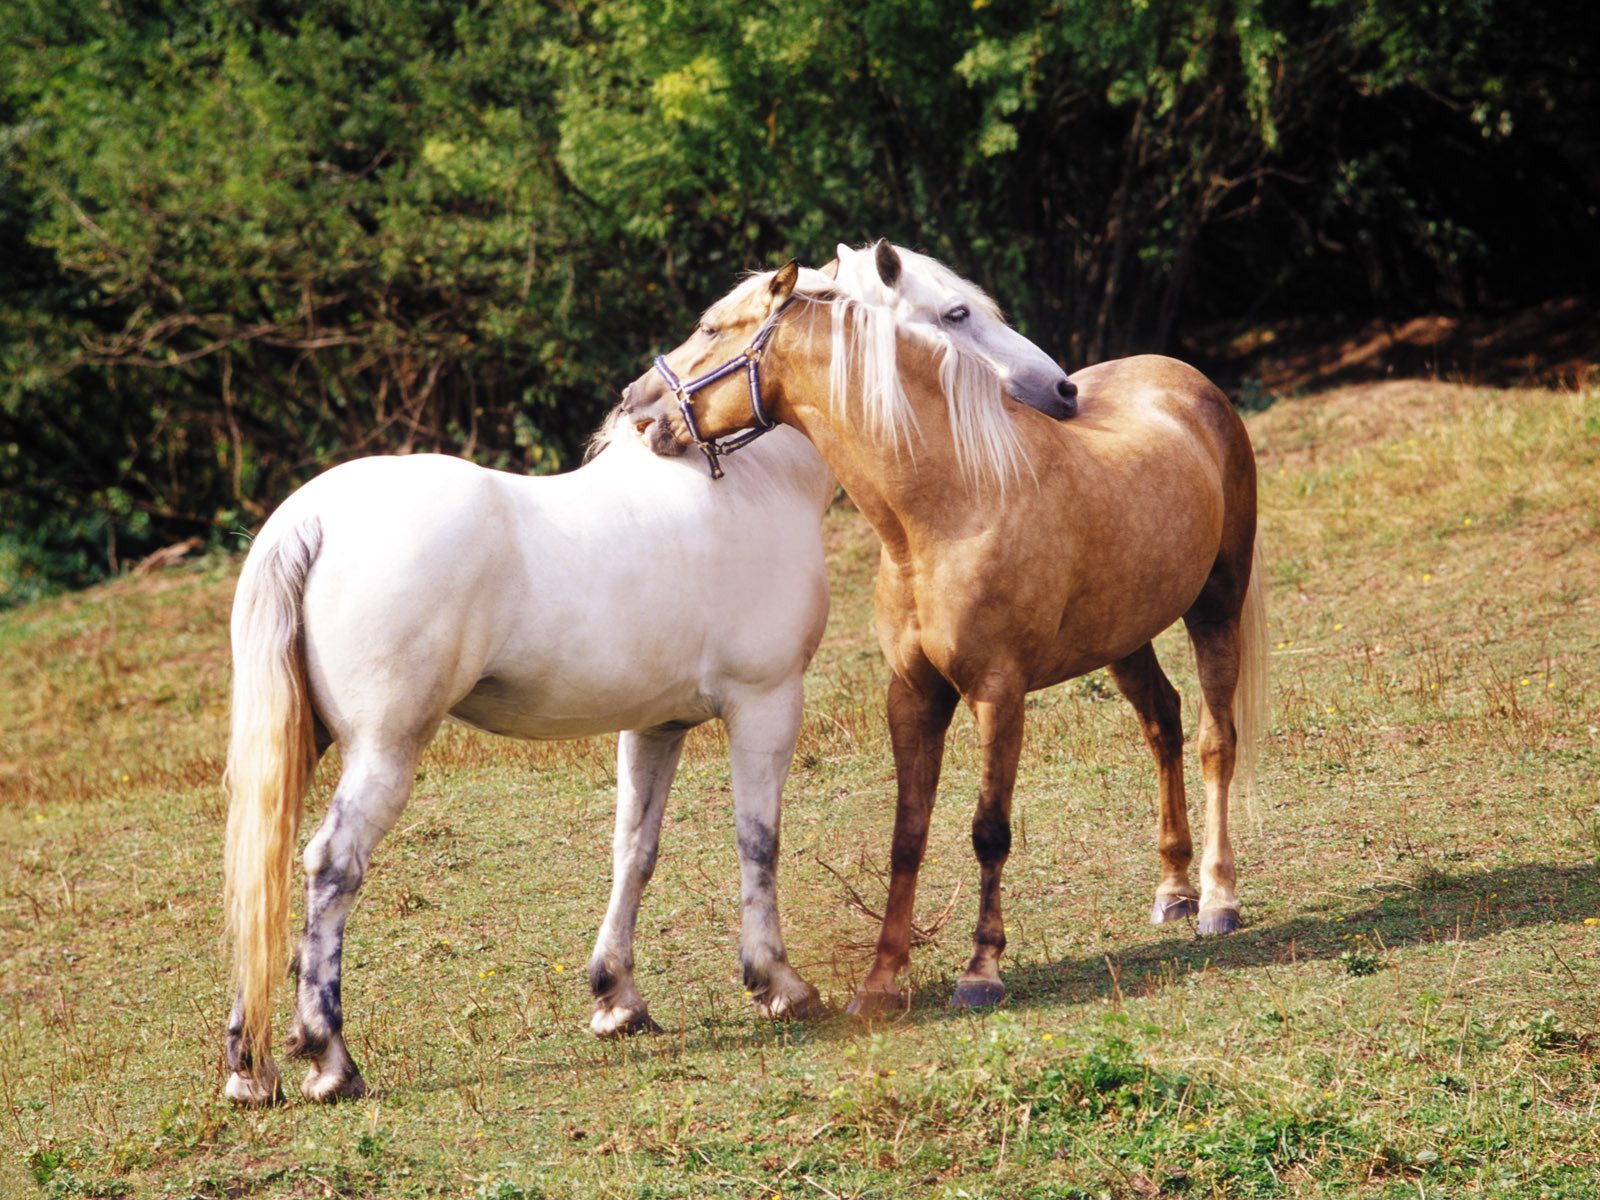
(877, 1003)
(978, 993)
(1173, 908)
(1218, 920)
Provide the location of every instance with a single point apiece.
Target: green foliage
(243, 242)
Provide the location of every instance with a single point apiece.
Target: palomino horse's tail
(271, 756)
(1251, 711)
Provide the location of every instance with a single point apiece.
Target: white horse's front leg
(646, 763)
(761, 735)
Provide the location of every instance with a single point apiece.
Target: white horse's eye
(956, 315)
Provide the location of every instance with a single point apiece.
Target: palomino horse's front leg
(1140, 678)
(1000, 737)
(646, 764)
(762, 730)
(918, 719)
(372, 791)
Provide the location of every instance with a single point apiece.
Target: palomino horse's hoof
(248, 1092)
(330, 1089)
(878, 1003)
(613, 1023)
(978, 993)
(1173, 908)
(1218, 920)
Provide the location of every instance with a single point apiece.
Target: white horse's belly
(502, 707)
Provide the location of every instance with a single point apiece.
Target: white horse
(632, 594)
(635, 593)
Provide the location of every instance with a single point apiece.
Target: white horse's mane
(866, 326)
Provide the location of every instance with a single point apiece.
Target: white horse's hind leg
(372, 791)
(646, 763)
(762, 730)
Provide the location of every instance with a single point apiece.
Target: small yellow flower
(1525, 682)
(1427, 577)
(1047, 1037)
(1338, 625)
(1466, 520)
(560, 968)
(125, 778)
(1591, 920)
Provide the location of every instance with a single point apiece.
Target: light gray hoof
(978, 993)
(1173, 908)
(805, 1006)
(330, 1088)
(877, 1003)
(1218, 920)
(615, 1025)
(249, 1092)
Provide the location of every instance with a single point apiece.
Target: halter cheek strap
(750, 360)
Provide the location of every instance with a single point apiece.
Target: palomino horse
(392, 593)
(1017, 552)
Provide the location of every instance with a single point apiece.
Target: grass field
(1412, 1008)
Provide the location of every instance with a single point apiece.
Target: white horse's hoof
(249, 1092)
(330, 1087)
(803, 1003)
(623, 1021)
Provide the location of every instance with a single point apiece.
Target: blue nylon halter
(750, 360)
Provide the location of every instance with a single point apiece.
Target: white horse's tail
(271, 756)
(1251, 706)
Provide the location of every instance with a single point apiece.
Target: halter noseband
(750, 359)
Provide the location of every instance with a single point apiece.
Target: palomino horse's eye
(709, 330)
(956, 315)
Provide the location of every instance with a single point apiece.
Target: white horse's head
(927, 297)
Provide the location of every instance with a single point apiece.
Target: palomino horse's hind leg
(646, 763)
(1140, 678)
(918, 718)
(1216, 649)
(762, 730)
(372, 790)
(1000, 736)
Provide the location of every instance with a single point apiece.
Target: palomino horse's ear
(783, 281)
(888, 262)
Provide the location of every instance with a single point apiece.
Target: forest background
(241, 241)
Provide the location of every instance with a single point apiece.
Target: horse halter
(750, 359)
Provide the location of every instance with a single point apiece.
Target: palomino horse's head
(932, 301)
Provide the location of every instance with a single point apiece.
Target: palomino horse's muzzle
(748, 359)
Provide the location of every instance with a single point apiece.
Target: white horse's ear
(783, 281)
(842, 253)
(888, 262)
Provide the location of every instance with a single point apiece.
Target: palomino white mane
(868, 319)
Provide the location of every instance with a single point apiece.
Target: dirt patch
(1552, 344)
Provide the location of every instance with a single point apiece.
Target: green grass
(1413, 1007)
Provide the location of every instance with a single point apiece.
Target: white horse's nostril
(639, 427)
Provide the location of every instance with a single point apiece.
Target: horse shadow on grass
(1436, 908)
